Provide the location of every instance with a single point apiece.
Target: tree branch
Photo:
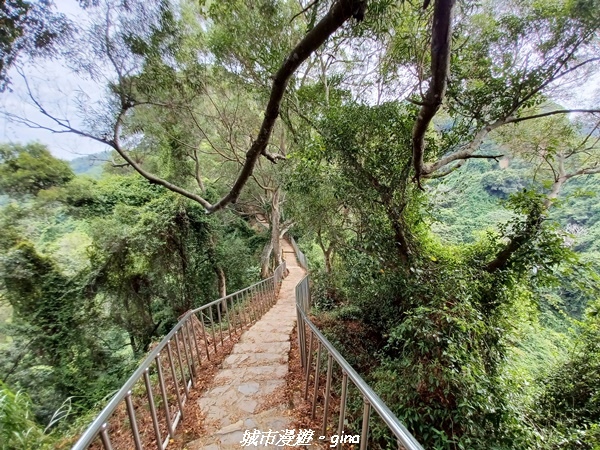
(310, 5)
(585, 171)
(116, 144)
(340, 12)
(440, 65)
(532, 226)
(429, 169)
(550, 113)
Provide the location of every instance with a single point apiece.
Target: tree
(51, 330)
(560, 149)
(122, 44)
(570, 401)
(440, 316)
(26, 170)
(30, 27)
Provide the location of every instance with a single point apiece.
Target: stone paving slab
(252, 373)
(262, 347)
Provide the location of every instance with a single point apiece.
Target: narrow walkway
(243, 391)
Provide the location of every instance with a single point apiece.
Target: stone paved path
(256, 368)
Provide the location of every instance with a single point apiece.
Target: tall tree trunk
(265, 260)
(328, 258)
(275, 218)
(327, 252)
(221, 281)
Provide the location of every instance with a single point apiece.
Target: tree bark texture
(440, 65)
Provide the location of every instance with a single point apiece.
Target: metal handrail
(299, 255)
(197, 329)
(370, 399)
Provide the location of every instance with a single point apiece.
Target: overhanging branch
(440, 65)
(551, 113)
(340, 12)
(466, 153)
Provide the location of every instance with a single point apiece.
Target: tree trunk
(221, 281)
(265, 260)
(532, 227)
(275, 218)
(327, 252)
(328, 260)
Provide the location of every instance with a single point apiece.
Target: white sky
(55, 92)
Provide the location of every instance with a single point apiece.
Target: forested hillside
(90, 165)
(426, 156)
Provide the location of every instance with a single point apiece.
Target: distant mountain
(90, 165)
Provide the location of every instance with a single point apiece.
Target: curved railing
(152, 400)
(311, 355)
(299, 255)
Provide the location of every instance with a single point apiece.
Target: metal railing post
(206, 346)
(105, 438)
(198, 353)
(189, 362)
(175, 382)
(301, 343)
(364, 435)
(342, 418)
(153, 410)
(227, 316)
(185, 385)
(327, 391)
(163, 393)
(220, 320)
(212, 329)
(316, 388)
(310, 345)
(132, 422)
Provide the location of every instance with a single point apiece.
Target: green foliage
(444, 289)
(234, 40)
(154, 256)
(50, 317)
(460, 210)
(27, 26)
(503, 183)
(570, 400)
(93, 270)
(26, 170)
(444, 326)
(18, 429)
(488, 77)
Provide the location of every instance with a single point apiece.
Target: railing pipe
(181, 368)
(174, 375)
(99, 427)
(105, 438)
(364, 435)
(316, 387)
(395, 426)
(327, 392)
(342, 406)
